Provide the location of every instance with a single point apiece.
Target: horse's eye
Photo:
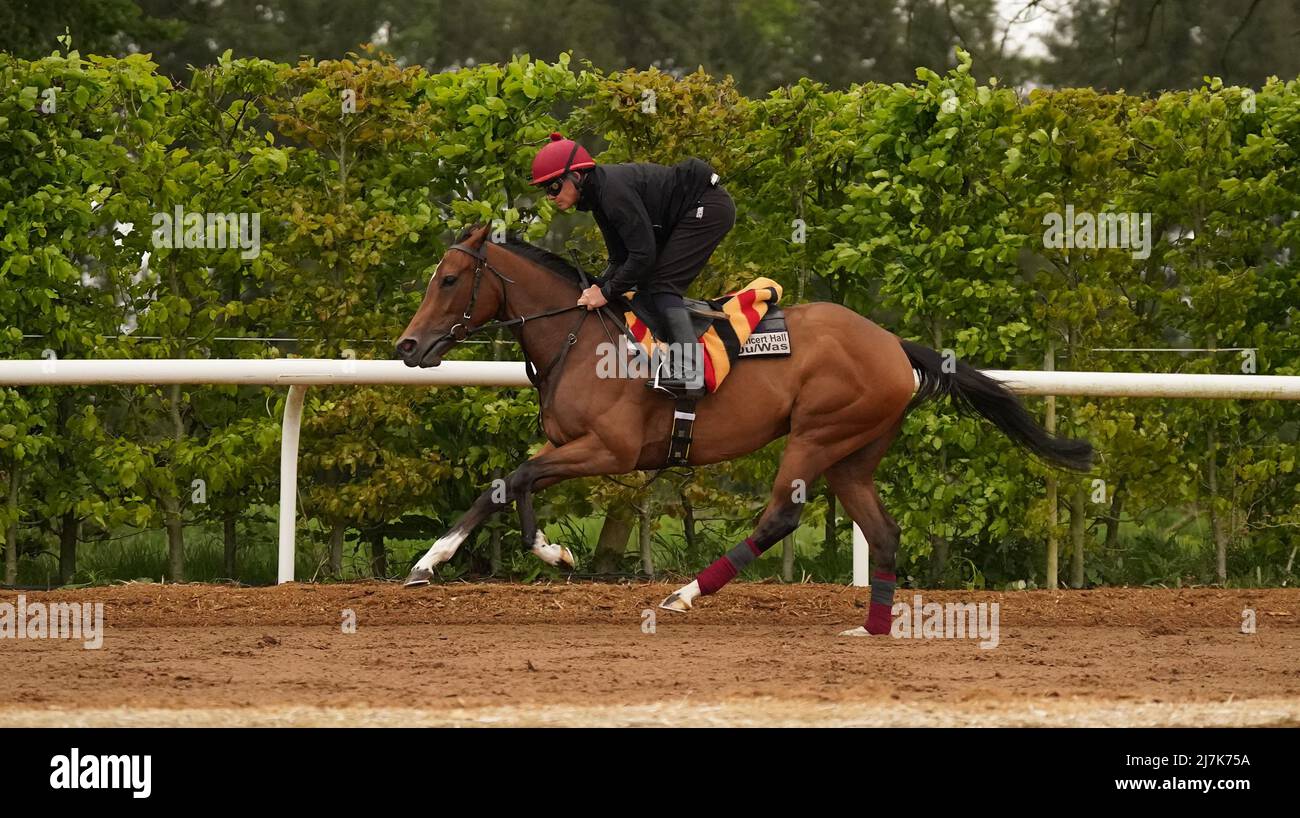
(449, 281)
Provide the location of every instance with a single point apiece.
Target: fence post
(289, 480)
(861, 553)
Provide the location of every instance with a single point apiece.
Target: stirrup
(655, 386)
(676, 388)
(661, 381)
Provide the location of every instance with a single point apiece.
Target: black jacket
(636, 206)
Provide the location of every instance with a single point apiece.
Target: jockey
(660, 225)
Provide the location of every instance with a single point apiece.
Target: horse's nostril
(406, 346)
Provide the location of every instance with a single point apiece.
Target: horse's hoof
(858, 631)
(419, 577)
(551, 553)
(675, 602)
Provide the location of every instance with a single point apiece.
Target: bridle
(480, 262)
(466, 329)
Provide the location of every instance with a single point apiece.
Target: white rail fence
(299, 373)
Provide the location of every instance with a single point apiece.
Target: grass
(1143, 557)
(142, 556)
(132, 556)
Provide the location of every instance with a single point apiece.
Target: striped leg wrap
(725, 568)
(882, 603)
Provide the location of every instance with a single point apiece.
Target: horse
(840, 399)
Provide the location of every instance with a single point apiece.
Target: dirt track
(756, 654)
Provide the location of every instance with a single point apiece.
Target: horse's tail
(973, 392)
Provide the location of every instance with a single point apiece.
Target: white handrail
(299, 373)
(258, 372)
(1149, 385)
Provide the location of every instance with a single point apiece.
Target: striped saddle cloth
(754, 326)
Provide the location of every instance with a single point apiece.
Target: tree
(1153, 45)
(30, 29)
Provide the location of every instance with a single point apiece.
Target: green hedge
(922, 206)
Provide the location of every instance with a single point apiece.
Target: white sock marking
(689, 592)
(548, 553)
(442, 550)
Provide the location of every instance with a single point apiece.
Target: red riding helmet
(558, 157)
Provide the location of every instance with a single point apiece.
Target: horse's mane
(532, 252)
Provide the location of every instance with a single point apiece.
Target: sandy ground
(579, 654)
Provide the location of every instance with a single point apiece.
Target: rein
(557, 363)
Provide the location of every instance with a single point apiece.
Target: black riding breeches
(692, 241)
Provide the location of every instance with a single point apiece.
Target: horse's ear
(477, 234)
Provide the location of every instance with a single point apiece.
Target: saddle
(702, 314)
(742, 324)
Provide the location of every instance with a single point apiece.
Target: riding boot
(686, 374)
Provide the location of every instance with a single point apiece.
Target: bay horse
(840, 398)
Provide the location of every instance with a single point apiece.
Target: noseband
(481, 261)
(466, 330)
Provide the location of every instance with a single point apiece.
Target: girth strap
(679, 443)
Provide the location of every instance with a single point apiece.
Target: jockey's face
(567, 196)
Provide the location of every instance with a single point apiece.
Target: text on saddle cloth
(754, 326)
